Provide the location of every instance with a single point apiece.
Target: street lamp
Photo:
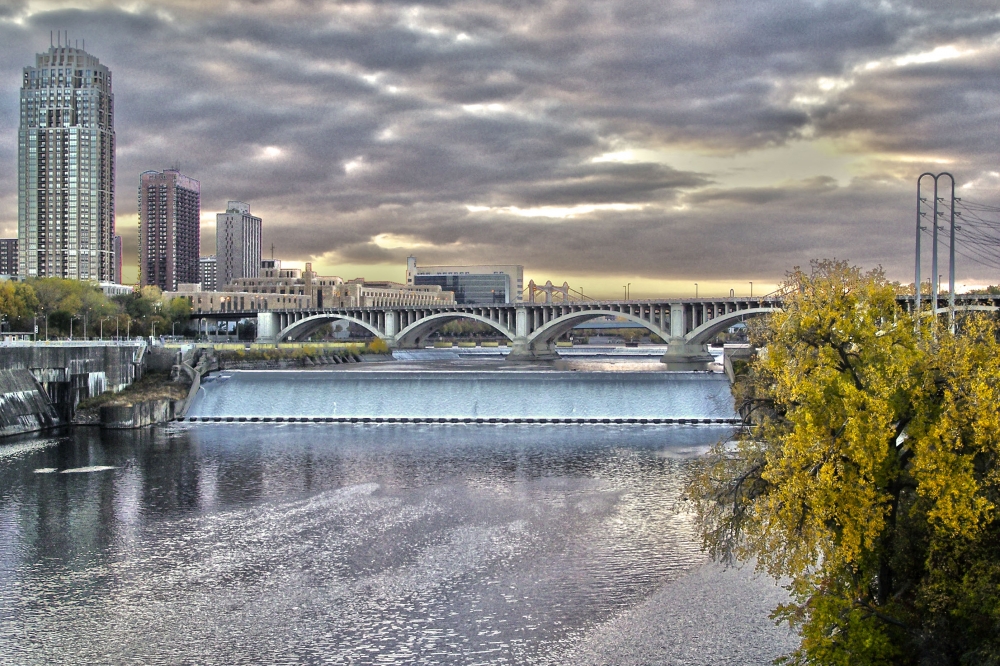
(173, 329)
(71, 325)
(751, 288)
(696, 290)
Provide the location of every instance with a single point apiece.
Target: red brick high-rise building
(169, 229)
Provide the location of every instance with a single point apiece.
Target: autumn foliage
(870, 479)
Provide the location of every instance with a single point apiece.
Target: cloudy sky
(602, 142)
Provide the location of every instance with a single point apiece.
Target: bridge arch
(547, 334)
(305, 326)
(416, 332)
(710, 328)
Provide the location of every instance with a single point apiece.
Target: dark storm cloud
(344, 122)
(951, 106)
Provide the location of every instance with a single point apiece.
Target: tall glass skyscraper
(66, 168)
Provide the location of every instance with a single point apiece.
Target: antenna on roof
(272, 251)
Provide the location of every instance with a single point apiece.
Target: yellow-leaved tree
(870, 478)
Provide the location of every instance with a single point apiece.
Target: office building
(237, 243)
(207, 272)
(472, 285)
(334, 292)
(8, 256)
(66, 168)
(169, 229)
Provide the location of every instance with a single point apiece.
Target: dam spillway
(464, 396)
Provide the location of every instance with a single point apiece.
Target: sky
(656, 143)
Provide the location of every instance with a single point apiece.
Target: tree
(18, 303)
(870, 479)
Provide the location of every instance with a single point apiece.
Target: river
(367, 543)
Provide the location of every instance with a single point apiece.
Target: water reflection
(359, 544)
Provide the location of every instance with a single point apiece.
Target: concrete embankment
(69, 373)
(139, 415)
(24, 407)
(42, 384)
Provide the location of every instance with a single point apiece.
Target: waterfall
(464, 395)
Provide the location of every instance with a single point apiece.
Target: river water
(389, 543)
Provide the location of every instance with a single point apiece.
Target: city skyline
(645, 143)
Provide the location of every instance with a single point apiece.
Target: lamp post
(71, 325)
(696, 290)
(751, 288)
(173, 329)
(117, 337)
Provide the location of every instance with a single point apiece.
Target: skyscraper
(66, 168)
(169, 229)
(118, 258)
(237, 243)
(207, 272)
(8, 256)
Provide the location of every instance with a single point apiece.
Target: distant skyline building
(237, 243)
(119, 264)
(479, 285)
(66, 167)
(208, 273)
(8, 256)
(169, 229)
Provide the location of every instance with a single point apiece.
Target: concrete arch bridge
(533, 328)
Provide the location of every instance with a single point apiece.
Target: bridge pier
(521, 351)
(268, 327)
(683, 355)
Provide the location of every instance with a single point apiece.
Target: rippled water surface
(361, 544)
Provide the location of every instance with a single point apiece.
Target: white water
(458, 394)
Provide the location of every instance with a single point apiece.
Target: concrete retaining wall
(69, 373)
(138, 415)
(24, 407)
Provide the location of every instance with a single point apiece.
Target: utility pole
(935, 278)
